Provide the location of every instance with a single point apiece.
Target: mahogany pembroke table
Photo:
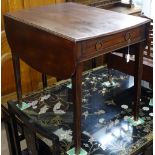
(57, 39)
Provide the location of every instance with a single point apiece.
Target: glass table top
(107, 103)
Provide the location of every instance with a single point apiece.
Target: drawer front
(110, 43)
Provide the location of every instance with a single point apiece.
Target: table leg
(93, 62)
(16, 66)
(76, 86)
(44, 80)
(56, 148)
(137, 77)
(13, 124)
(9, 134)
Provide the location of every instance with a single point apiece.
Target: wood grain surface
(77, 22)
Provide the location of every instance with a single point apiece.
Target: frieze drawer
(118, 40)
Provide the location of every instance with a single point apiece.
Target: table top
(76, 22)
(105, 110)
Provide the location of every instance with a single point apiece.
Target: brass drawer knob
(98, 45)
(127, 36)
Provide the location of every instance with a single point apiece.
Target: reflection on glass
(120, 135)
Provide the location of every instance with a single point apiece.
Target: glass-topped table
(106, 107)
